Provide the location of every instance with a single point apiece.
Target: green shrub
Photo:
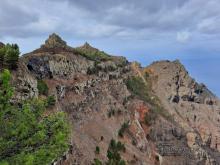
(137, 86)
(97, 162)
(113, 154)
(123, 128)
(51, 101)
(42, 87)
(26, 135)
(93, 54)
(97, 150)
(111, 113)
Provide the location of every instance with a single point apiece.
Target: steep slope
(170, 118)
(192, 106)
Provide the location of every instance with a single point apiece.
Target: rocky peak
(53, 41)
(88, 47)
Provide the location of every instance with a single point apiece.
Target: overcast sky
(142, 30)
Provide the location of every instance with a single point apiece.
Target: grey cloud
(12, 15)
(13, 19)
(132, 14)
(109, 18)
(150, 6)
(158, 16)
(210, 25)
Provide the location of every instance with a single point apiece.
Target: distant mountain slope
(159, 112)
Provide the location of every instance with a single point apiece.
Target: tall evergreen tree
(9, 55)
(27, 137)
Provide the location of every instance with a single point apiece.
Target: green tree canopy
(27, 137)
(9, 55)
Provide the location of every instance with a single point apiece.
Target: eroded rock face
(137, 131)
(178, 85)
(25, 83)
(89, 90)
(193, 106)
(57, 65)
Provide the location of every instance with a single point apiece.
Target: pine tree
(11, 56)
(26, 135)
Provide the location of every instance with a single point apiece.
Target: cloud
(183, 36)
(13, 19)
(210, 25)
(110, 18)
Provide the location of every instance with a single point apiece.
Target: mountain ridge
(163, 105)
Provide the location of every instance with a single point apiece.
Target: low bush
(111, 113)
(92, 54)
(97, 162)
(42, 87)
(51, 101)
(123, 128)
(113, 154)
(137, 86)
(97, 150)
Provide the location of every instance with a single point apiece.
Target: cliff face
(193, 107)
(93, 91)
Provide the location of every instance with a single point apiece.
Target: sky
(141, 30)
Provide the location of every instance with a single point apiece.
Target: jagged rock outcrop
(58, 65)
(88, 47)
(180, 86)
(91, 87)
(25, 83)
(54, 41)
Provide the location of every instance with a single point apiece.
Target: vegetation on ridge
(42, 87)
(113, 154)
(143, 91)
(123, 128)
(92, 53)
(9, 55)
(27, 136)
